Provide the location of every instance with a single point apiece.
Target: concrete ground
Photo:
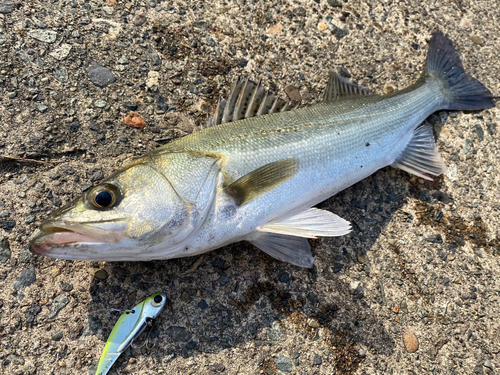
(414, 289)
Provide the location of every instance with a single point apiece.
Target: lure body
(130, 325)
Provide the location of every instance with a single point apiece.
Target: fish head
(122, 218)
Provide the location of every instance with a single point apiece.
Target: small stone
(283, 364)
(4, 250)
(317, 361)
(223, 280)
(388, 89)
(139, 19)
(467, 146)
(92, 327)
(313, 323)
(46, 36)
(6, 6)
(488, 364)
(99, 103)
(203, 304)
(276, 29)
(132, 360)
(337, 267)
(395, 310)
(99, 75)
(26, 255)
(57, 336)
(39, 23)
(101, 274)
(435, 238)
(130, 106)
(42, 108)
(276, 332)
(25, 278)
(293, 94)
(123, 60)
(135, 120)
(59, 303)
(179, 334)
(334, 3)
(477, 39)
(30, 219)
(62, 52)
(95, 174)
(410, 341)
(161, 104)
(67, 287)
(61, 74)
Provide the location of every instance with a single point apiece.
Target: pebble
(161, 104)
(203, 304)
(99, 103)
(477, 39)
(101, 274)
(39, 23)
(317, 361)
(11, 95)
(30, 219)
(4, 250)
(61, 74)
(276, 332)
(283, 364)
(26, 255)
(179, 334)
(62, 52)
(42, 108)
(293, 94)
(410, 341)
(95, 174)
(57, 336)
(135, 120)
(467, 146)
(59, 303)
(6, 6)
(276, 29)
(67, 287)
(139, 19)
(99, 75)
(25, 278)
(123, 60)
(46, 36)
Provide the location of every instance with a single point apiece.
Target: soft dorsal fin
(421, 156)
(261, 180)
(247, 99)
(340, 87)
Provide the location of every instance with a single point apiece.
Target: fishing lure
(130, 325)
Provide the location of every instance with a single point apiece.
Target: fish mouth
(57, 233)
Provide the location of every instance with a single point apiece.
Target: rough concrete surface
(414, 289)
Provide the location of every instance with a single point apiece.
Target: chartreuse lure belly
(130, 325)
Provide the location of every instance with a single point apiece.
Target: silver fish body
(257, 178)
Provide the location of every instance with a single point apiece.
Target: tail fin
(463, 92)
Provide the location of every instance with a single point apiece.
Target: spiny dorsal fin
(262, 180)
(247, 99)
(421, 156)
(341, 87)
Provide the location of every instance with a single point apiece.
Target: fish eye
(158, 299)
(104, 196)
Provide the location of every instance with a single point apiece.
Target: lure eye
(104, 196)
(158, 299)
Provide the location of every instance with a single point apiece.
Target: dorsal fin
(247, 99)
(341, 87)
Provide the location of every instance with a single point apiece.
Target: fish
(129, 327)
(258, 169)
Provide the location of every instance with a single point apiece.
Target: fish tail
(462, 92)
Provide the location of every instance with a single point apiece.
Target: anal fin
(294, 250)
(421, 156)
(310, 223)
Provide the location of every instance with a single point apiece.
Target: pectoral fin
(310, 224)
(261, 180)
(421, 156)
(294, 250)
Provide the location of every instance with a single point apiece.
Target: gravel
(99, 75)
(25, 278)
(46, 36)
